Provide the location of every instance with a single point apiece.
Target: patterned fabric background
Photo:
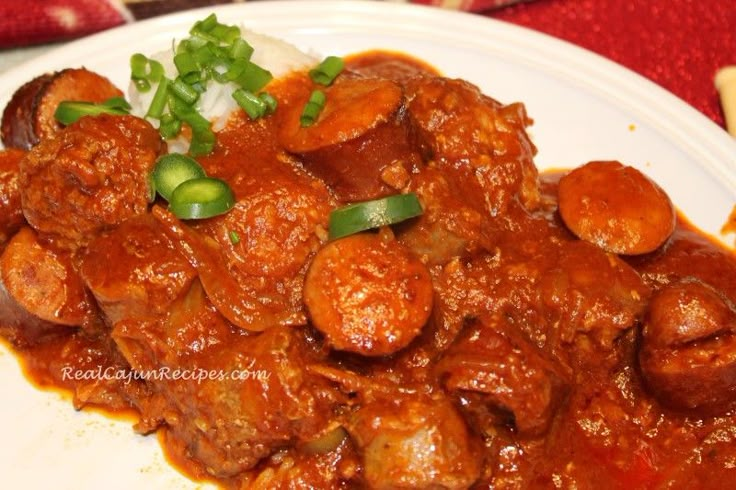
(25, 22)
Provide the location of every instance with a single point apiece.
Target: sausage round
(29, 116)
(616, 207)
(368, 294)
(93, 175)
(688, 348)
(11, 215)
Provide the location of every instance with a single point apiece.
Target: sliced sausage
(92, 176)
(361, 135)
(688, 348)
(11, 213)
(29, 116)
(508, 371)
(42, 282)
(367, 294)
(135, 270)
(616, 207)
(414, 441)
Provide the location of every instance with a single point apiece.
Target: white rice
(275, 55)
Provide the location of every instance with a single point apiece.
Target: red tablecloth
(677, 43)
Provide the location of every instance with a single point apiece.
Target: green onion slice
(173, 169)
(326, 72)
(201, 198)
(366, 215)
(313, 108)
(69, 111)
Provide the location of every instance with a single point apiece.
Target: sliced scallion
(367, 215)
(313, 108)
(326, 72)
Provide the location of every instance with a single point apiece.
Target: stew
(562, 330)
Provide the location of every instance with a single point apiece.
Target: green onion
(313, 108)
(70, 111)
(234, 237)
(373, 214)
(185, 64)
(200, 198)
(250, 103)
(143, 71)
(173, 169)
(253, 78)
(158, 103)
(117, 103)
(326, 72)
(240, 49)
(270, 101)
(184, 91)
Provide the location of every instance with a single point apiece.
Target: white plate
(584, 108)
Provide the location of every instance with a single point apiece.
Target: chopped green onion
(373, 214)
(240, 49)
(185, 64)
(214, 52)
(234, 237)
(200, 198)
(158, 104)
(170, 126)
(270, 101)
(253, 78)
(70, 111)
(313, 108)
(250, 103)
(173, 169)
(184, 91)
(144, 71)
(326, 72)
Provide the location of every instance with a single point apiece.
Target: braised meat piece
(511, 374)
(415, 441)
(243, 397)
(463, 131)
(135, 270)
(91, 176)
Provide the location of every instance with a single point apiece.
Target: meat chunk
(252, 303)
(616, 207)
(509, 372)
(135, 270)
(688, 348)
(239, 398)
(476, 137)
(360, 134)
(415, 441)
(368, 294)
(592, 292)
(29, 116)
(93, 175)
(41, 288)
(11, 214)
